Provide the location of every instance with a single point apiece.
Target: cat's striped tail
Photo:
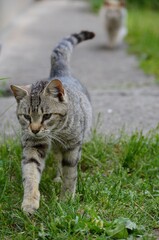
(61, 54)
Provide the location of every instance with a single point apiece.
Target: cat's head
(115, 3)
(114, 8)
(41, 107)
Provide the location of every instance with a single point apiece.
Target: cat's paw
(57, 179)
(29, 206)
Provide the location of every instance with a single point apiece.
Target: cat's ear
(20, 91)
(107, 3)
(55, 89)
(122, 3)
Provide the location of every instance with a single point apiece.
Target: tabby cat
(53, 112)
(115, 22)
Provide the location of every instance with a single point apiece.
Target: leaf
(118, 232)
(126, 222)
(119, 228)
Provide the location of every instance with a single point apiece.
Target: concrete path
(122, 94)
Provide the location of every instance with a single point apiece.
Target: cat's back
(75, 87)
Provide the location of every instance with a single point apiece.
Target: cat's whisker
(60, 140)
(54, 137)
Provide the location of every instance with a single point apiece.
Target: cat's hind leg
(69, 172)
(58, 166)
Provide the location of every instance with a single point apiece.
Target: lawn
(117, 194)
(143, 39)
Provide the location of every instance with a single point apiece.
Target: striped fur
(61, 54)
(53, 112)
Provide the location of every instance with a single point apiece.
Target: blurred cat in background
(115, 16)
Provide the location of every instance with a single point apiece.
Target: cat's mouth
(39, 135)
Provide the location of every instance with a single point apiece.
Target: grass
(143, 39)
(117, 193)
(146, 4)
(4, 92)
(96, 5)
(153, 4)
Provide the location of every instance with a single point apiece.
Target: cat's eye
(27, 117)
(46, 116)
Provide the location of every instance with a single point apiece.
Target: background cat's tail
(61, 54)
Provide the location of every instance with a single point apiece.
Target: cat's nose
(35, 131)
(35, 127)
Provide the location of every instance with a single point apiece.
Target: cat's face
(39, 114)
(114, 9)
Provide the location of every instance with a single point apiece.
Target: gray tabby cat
(115, 22)
(57, 112)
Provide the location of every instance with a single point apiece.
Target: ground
(121, 93)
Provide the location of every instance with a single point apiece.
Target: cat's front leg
(32, 167)
(69, 172)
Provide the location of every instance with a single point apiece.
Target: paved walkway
(122, 94)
